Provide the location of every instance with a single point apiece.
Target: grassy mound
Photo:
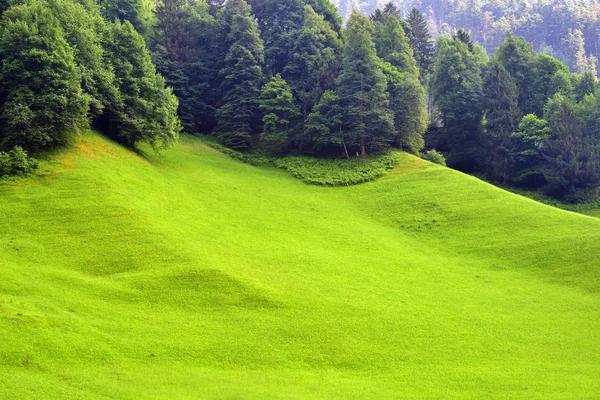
(191, 275)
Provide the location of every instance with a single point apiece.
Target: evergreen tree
(457, 91)
(545, 69)
(571, 158)
(420, 41)
(41, 99)
(147, 111)
(277, 105)
(182, 43)
(407, 102)
(279, 22)
(392, 45)
(502, 117)
(239, 114)
(368, 121)
(315, 63)
(517, 56)
(323, 126)
(133, 11)
(585, 84)
(528, 140)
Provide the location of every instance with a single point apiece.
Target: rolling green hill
(191, 275)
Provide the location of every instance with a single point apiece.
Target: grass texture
(189, 275)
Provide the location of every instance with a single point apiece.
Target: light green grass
(191, 275)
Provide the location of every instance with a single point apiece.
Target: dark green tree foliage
(464, 37)
(315, 64)
(279, 22)
(182, 43)
(502, 117)
(133, 11)
(585, 84)
(323, 127)
(279, 110)
(570, 154)
(41, 99)
(528, 141)
(392, 44)
(408, 103)
(518, 58)
(545, 69)
(457, 91)
(147, 110)
(239, 114)
(420, 41)
(561, 83)
(367, 121)
(85, 30)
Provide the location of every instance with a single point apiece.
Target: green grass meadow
(189, 275)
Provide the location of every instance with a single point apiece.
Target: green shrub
(16, 162)
(435, 157)
(321, 171)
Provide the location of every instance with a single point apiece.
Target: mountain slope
(190, 275)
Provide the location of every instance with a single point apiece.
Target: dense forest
(566, 30)
(289, 77)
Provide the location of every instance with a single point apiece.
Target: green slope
(190, 275)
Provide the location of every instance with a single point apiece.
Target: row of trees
(280, 72)
(520, 117)
(64, 67)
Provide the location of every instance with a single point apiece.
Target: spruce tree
(528, 141)
(277, 105)
(408, 104)
(315, 64)
(420, 41)
(239, 115)
(393, 46)
(517, 56)
(182, 44)
(133, 11)
(457, 91)
(41, 99)
(323, 126)
(586, 83)
(502, 117)
(571, 158)
(368, 121)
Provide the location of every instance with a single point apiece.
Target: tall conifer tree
(239, 114)
(368, 121)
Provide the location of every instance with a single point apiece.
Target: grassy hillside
(191, 275)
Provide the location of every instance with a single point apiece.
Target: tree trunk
(363, 151)
(345, 149)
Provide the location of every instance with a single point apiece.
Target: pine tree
(528, 141)
(315, 62)
(570, 155)
(407, 102)
(239, 115)
(368, 121)
(277, 105)
(393, 46)
(420, 41)
(502, 116)
(147, 111)
(323, 126)
(586, 83)
(182, 43)
(457, 91)
(133, 11)
(41, 99)
(517, 56)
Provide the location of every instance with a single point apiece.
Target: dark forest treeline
(286, 76)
